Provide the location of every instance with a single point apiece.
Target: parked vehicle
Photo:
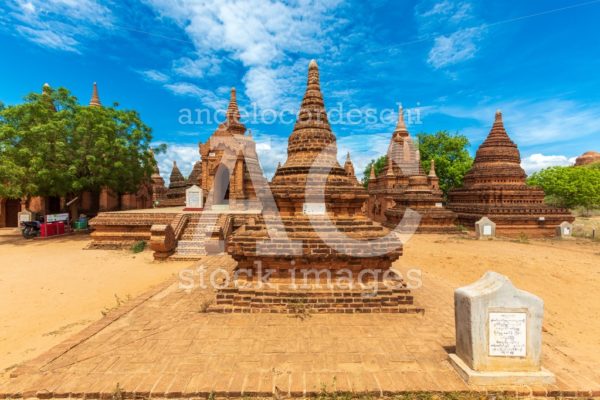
(30, 229)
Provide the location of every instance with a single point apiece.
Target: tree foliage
(379, 164)
(569, 187)
(52, 146)
(451, 155)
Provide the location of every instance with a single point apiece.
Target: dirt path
(52, 289)
(565, 274)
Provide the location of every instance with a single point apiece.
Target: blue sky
(453, 61)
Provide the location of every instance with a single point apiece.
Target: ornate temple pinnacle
(432, 173)
(400, 125)
(233, 112)
(313, 64)
(498, 115)
(95, 100)
(372, 174)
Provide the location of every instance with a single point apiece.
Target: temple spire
(349, 167)
(401, 130)
(233, 112)
(95, 100)
(400, 125)
(432, 173)
(176, 175)
(232, 124)
(372, 175)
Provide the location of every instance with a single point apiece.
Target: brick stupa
(495, 187)
(402, 160)
(422, 195)
(402, 185)
(314, 197)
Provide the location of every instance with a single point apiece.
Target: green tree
(34, 145)
(52, 146)
(379, 164)
(451, 155)
(569, 187)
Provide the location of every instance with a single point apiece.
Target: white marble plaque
(193, 197)
(508, 334)
(313, 209)
(566, 231)
(439, 205)
(487, 230)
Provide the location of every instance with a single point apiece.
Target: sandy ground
(564, 273)
(54, 288)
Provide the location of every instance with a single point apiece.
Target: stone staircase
(191, 244)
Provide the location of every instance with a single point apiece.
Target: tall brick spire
(95, 100)
(400, 130)
(312, 166)
(312, 133)
(232, 124)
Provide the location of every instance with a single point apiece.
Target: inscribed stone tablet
(508, 334)
(566, 231)
(487, 230)
(313, 208)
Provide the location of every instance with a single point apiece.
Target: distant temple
(402, 185)
(227, 158)
(590, 157)
(495, 187)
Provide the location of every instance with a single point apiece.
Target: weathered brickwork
(298, 242)
(495, 187)
(402, 185)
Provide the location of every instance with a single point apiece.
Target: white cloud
(197, 68)
(58, 24)
(454, 48)
(207, 97)
(533, 122)
(271, 150)
(155, 75)
(185, 155)
(363, 149)
(262, 35)
(536, 162)
(463, 30)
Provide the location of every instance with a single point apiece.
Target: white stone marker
(193, 197)
(485, 228)
(498, 334)
(564, 230)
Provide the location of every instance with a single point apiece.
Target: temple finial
(233, 112)
(95, 100)
(498, 115)
(400, 125)
(372, 175)
(348, 157)
(313, 64)
(432, 172)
